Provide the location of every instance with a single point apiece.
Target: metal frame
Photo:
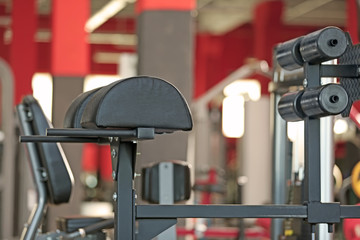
(312, 180)
(279, 152)
(8, 164)
(153, 219)
(327, 162)
(166, 195)
(36, 216)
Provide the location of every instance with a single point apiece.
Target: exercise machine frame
(153, 219)
(132, 221)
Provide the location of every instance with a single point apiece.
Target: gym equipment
(53, 184)
(166, 182)
(355, 179)
(52, 176)
(311, 103)
(76, 109)
(148, 94)
(288, 54)
(330, 99)
(316, 47)
(323, 45)
(137, 108)
(156, 175)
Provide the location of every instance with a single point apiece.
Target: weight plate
(355, 179)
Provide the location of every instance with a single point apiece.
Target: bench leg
(123, 156)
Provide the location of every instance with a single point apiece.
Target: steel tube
(221, 211)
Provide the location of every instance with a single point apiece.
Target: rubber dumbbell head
(323, 45)
(288, 54)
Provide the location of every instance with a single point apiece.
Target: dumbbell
(330, 99)
(316, 47)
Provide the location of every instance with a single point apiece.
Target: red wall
(218, 56)
(215, 56)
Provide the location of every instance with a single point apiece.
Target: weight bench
(160, 108)
(123, 113)
(51, 173)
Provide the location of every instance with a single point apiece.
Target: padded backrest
(76, 109)
(138, 102)
(51, 156)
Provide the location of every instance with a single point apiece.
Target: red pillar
(149, 5)
(3, 48)
(70, 49)
(208, 53)
(23, 47)
(353, 28)
(352, 20)
(69, 64)
(267, 29)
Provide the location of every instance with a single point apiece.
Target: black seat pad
(138, 102)
(59, 176)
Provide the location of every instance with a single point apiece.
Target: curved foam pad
(59, 176)
(138, 102)
(76, 109)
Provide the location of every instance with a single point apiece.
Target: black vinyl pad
(138, 102)
(76, 109)
(59, 176)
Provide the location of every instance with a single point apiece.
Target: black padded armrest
(59, 176)
(76, 109)
(138, 102)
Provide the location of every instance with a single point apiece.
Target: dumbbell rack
(132, 221)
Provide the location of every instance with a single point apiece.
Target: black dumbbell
(316, 47)
(330, 99)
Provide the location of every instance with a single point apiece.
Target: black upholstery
(138, 102)
(59, 176)
(76, 109)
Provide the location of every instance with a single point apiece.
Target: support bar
(350, 211)
(57, 139)
(75, 132)
(221, 211)
(350, 71)
(137, 133)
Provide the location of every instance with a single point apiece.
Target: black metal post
(312, 160)
(312, 179)
(312, 141)
(123, 156)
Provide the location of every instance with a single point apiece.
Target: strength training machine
(138, 108)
